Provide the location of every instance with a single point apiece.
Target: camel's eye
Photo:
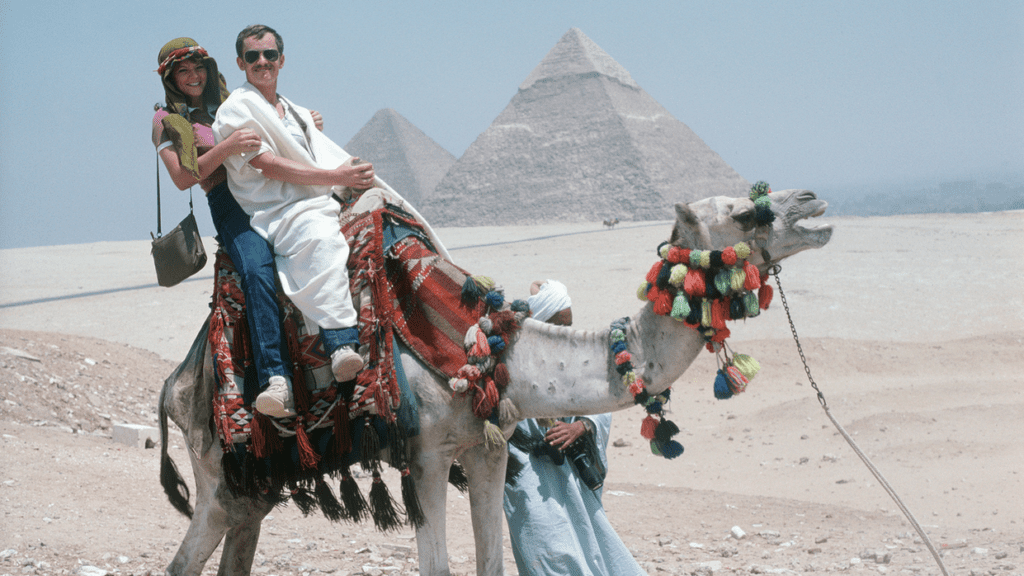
(745, 219)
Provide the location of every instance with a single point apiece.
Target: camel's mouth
(817, 234)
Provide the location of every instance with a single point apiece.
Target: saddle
(408, 298)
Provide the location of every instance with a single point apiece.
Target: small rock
(88, 570)
(738, 533)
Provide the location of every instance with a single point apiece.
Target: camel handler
(549, 302)
(556, 521)
(286, 188)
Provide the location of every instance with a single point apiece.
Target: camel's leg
(210, 521)
(430, 472)
(241, 540)
(486, 472)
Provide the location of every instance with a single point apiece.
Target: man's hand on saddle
(244, 141)
(563, 434)
(358, 176)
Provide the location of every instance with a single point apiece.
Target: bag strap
(159, 233)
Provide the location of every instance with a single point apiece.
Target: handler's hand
(318, 120)
(563, 433)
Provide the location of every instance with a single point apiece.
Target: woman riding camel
(181, 132)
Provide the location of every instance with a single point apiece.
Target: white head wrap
(552, 298)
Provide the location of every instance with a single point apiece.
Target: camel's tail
(174, 485)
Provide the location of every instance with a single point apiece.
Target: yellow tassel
(641, 291)
(742, 250)
(493, 438)
(677, 275)
(484, 282)
(746, 365)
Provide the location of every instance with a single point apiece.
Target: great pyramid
(402, 155)
(580, 141)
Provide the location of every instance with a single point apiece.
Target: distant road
(206, 278)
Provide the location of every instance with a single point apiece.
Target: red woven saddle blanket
(404, 292)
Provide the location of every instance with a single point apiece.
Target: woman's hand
(318, 120)
(359, 176)
(563, 434)
(242, 141)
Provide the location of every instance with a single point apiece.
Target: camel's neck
(559, 371)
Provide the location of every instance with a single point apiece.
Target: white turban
(552, 298)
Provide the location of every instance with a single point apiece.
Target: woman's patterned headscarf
(178, 124)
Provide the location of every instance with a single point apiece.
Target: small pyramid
(401, 154)
(580, 141)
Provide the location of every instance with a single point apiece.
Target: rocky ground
(74, 502)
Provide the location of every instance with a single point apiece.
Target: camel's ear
(689, 231)
(743, 214)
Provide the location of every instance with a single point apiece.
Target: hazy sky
(813, 94)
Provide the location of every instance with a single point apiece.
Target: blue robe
(556, 524)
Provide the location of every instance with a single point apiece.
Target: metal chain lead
(774, 271)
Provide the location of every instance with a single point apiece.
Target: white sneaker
(277, 400)
(346, 363)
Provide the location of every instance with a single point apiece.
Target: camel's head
(727, 221)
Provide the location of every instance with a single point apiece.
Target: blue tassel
(497, 344)
(671, 449)
(618, 347)
(654, 407)
(495, 299)
(722, 390)
(520, 306)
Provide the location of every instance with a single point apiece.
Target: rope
(774, 271)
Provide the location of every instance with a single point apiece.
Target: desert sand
(912, 327)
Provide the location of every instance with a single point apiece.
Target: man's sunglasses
(251, 56)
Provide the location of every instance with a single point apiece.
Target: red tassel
(675, 255)
(258, 435)
(720, 337)
(503, 322)
(501, 375)
(753, 279)
(482, 406)
(719, 313)
(492, 393)
(693, 283)
(481, 348)
(764, 296)
(652, 274)
(307, 456)
(648, 426)
(623, 357)
(663, 303)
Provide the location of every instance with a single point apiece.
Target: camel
(553, 371)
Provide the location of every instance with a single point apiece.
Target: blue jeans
(337, 337)
(254, 261)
